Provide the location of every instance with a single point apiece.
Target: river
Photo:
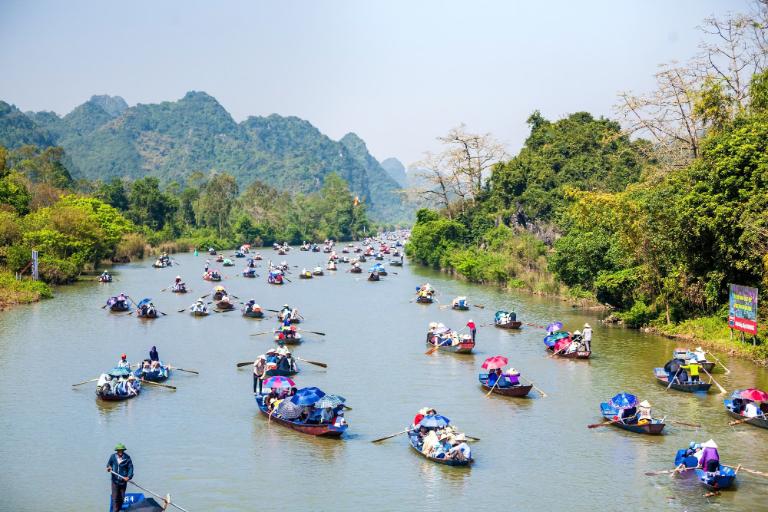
(207, 444)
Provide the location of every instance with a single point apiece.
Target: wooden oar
(204, 296)
(260, 333)
(312, 332)
(183, 370)
(719, 362)
(597, 425)
(752, 471)
(668, 471)
(85, 382)
(722, 389)
(672, 380)
(166, 499)
(478, 306)
(686, 424)
(390, 436)
(244, 363)
(316, 363)
(543, 394)
(433, 349)
(494, 385)
(158, 384)
(472, 438)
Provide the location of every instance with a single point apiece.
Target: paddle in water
(184, 370)
(84, 382)
(158, 384)
(316, 363)
(390, 436)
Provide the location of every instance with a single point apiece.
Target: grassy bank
(712, 332)
(21, 292)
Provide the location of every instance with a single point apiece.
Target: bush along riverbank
(25, 291)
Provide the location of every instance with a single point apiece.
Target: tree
(149, 206)
(216, 201)
(113, 193)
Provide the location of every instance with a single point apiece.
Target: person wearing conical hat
(586, 337)
(120, 468)
(644, 414)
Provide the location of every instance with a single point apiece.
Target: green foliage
(577, 152)
(23, 291)
(148, 205)
(637, 316)
(432, 241)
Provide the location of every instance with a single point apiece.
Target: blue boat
(158, 374)
(723, 479)
(136, 501)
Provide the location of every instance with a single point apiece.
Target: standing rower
(120, 467)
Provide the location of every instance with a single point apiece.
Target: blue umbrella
(307, 396)
(624, 401)
(144, 301)
(330, 401)
(434, 421)
(119, 372)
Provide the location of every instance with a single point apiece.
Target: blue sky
(398, 73)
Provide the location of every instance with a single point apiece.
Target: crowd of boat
(312, 411)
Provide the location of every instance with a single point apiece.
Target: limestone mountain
(104, 138)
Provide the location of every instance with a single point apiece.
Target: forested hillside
(104, 138)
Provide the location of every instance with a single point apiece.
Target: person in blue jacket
(120, 468)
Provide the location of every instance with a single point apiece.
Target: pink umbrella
(492, 363)
(562, 344)
(279, 382)
(754, 394)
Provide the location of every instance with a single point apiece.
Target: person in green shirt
(693, 371)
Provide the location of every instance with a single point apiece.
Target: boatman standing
(586, 337)
(120, 467)
(472, 328)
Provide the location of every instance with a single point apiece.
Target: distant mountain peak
(112, 105)
(396, 171)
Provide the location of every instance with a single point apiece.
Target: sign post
(742, 309)
(35, 275)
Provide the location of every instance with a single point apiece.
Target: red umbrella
(561, 345)
(754, 394)
(492, 363)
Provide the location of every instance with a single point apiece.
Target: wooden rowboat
(579, 354)
(295, 340)
(424, 299)
(610, 413)
(320, 430)
(413, 437)
(514, 324)
(464, 347)
(757, 421)
(518, 390)
(253, 314)
(687, 386)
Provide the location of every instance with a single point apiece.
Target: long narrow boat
(155, 375)
(102, 393)
(413, 440)
(320, 430)
(512, 324)
(725, 479)
(687, 386)
(757, 421)
(655, 427)
(517, 390)
(578, 354)
(463, 347)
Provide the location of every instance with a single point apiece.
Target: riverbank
(712, 332)
(26, 291)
